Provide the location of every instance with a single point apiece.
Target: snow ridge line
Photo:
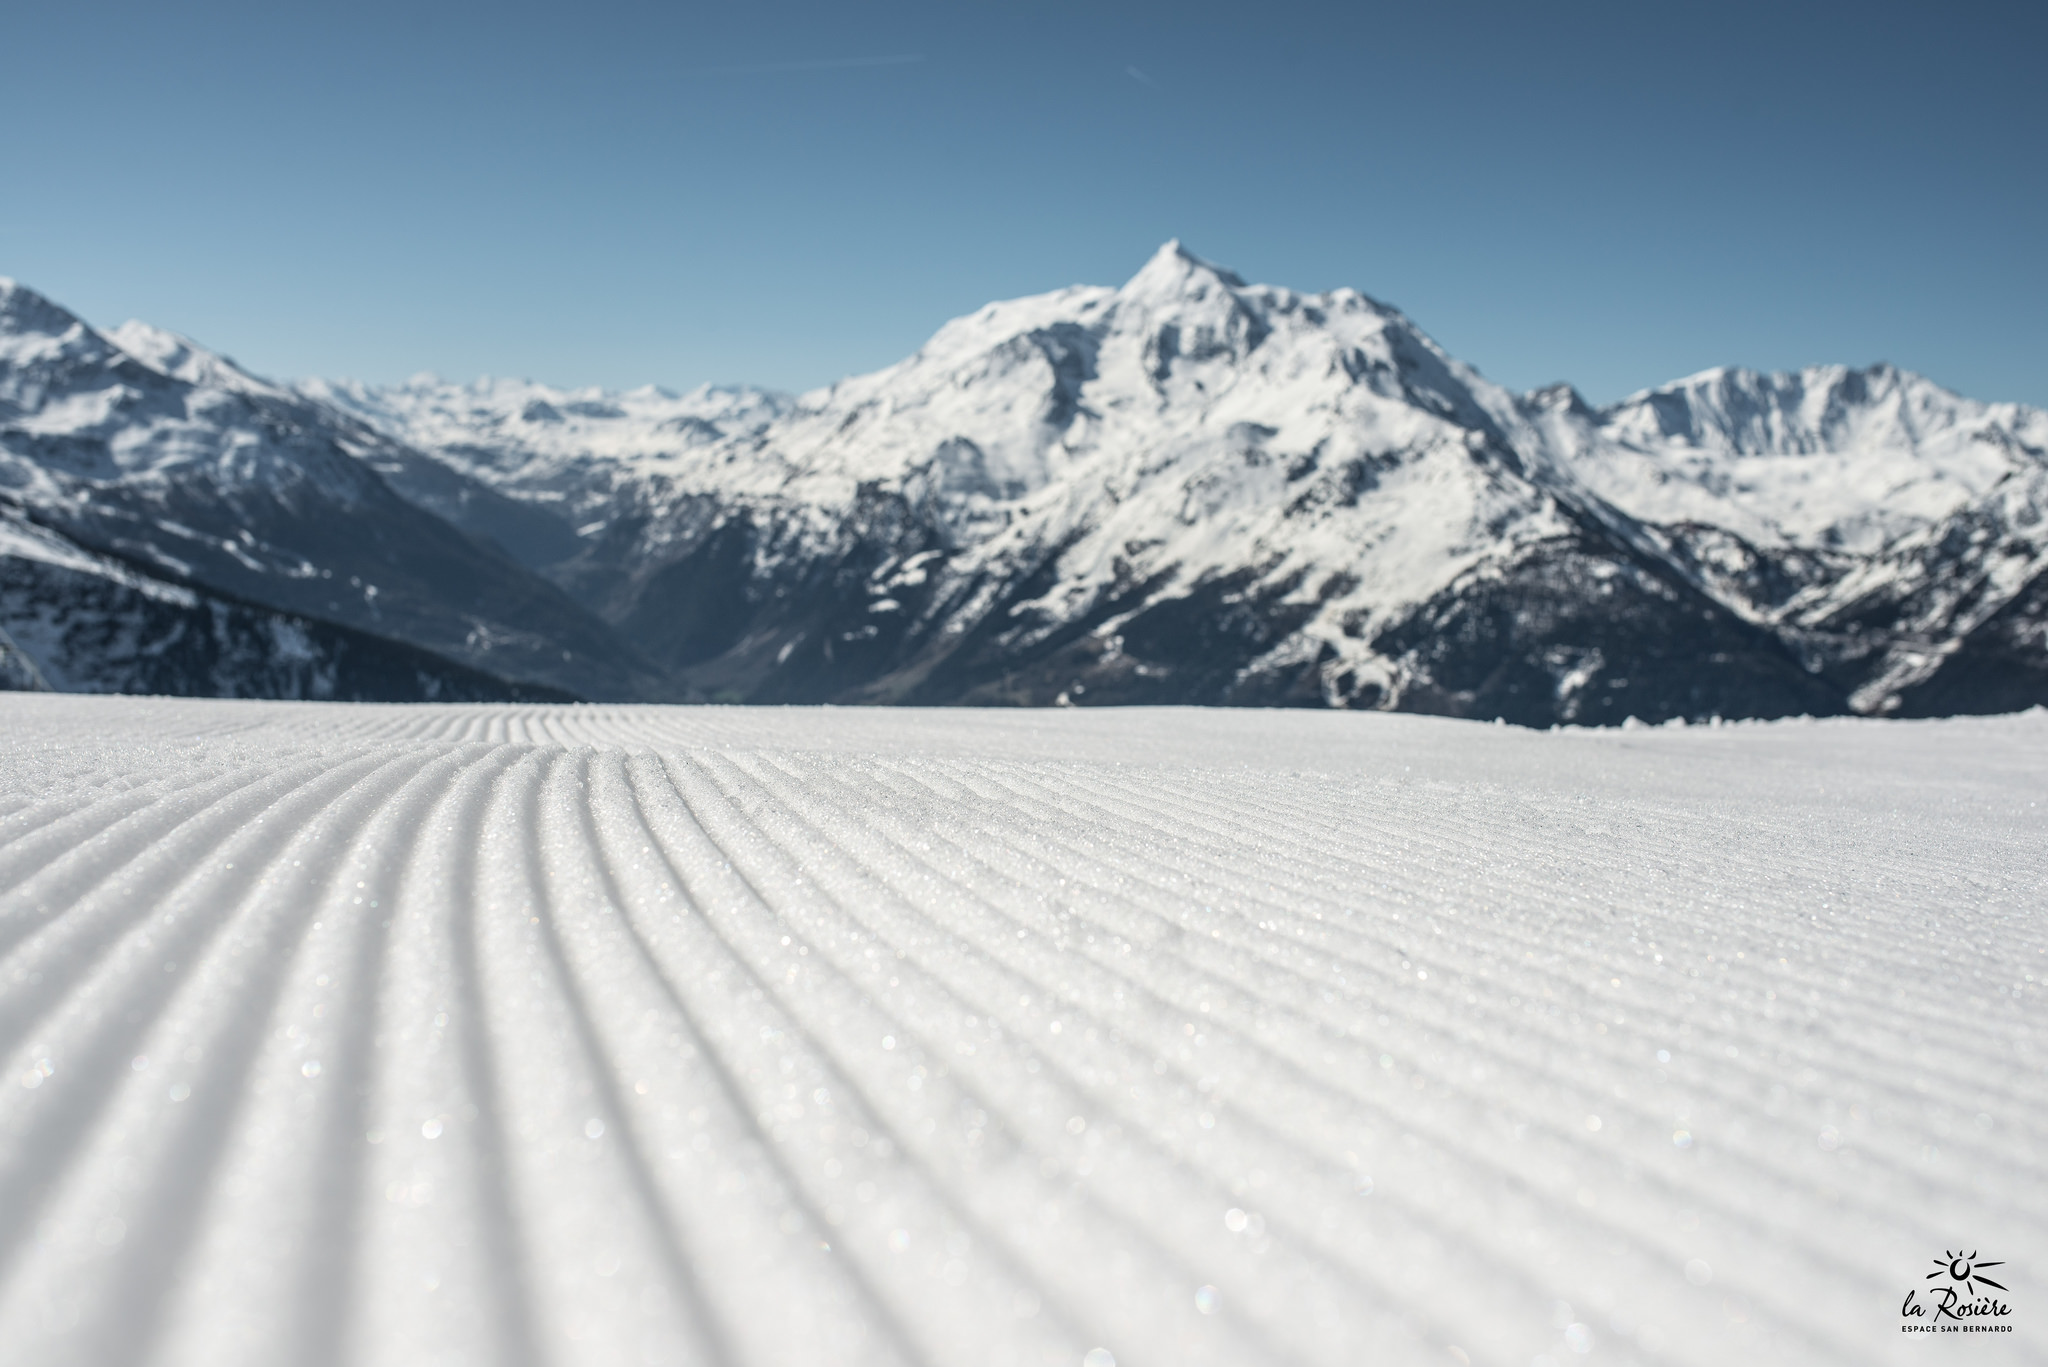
(627, 787)
(1488, 843)
(591, 1035)
(374, 820)
(918, 1021)
(814, 919)
(232, 958)
(1288, 923)
(999, 950)
(1269, 1101)
(830, 1077)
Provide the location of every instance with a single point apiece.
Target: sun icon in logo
(1968, 1271)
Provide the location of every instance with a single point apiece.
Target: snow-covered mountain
(144, 447)
(1889, 530)
(534, 436)
(1193, 489)
(1829, 458)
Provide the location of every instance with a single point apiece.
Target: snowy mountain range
(138, 447)
(1187, 489)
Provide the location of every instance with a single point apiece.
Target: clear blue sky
(1615, 194)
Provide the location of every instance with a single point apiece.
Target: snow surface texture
(610, 1035)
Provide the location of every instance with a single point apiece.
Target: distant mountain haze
(1187, 489)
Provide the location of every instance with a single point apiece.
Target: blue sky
(786, 193)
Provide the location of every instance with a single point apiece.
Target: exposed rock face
(77, 622)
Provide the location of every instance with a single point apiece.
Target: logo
(1962, 1298)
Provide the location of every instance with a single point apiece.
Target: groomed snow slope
(599, 1035)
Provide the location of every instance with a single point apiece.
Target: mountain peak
(23, 310)
(1561, 397)
(1175, 272)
